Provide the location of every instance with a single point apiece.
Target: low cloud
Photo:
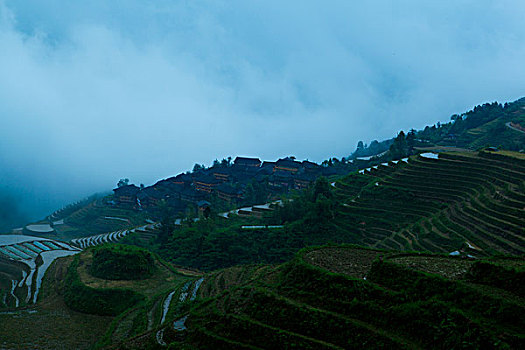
(93, 92)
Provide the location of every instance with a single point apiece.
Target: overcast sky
(93, 91)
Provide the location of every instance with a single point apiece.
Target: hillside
(470, 201)
(422, 251)
(227, 185)
(347, 297)
(490, 124)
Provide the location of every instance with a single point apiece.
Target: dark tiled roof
(165, 182)
(265, 171)
(222, 171)
(153, 192)
(247, 161)
(128, 190)
(286, 163)
(281, 174)
(183, 177)
(191, 192)
(308, 164)
(268, 164)
(206, 179)
(227, 189)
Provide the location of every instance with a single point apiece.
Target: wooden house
(281, 180)
(246, 162)
(190, 194)
(222, 174)
(310, 167)
(182, 179)
(150, 197)
(126, 194)
(228, 193)
(287, 164)
(302, 181)
(205, 183)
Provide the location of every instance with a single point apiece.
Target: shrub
(107, 302)
(122, 262)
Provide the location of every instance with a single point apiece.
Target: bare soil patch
(448, 267)
(349, 261)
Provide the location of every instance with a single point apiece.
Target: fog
(91, 92)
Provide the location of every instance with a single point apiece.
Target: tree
(249, 194)
(198, 167)
(321, 187)
(207, 212)
(411, 140)
(360, 145)
(399, 148)
(166, 222)
(123, 182)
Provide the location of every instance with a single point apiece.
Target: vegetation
(218, 242)
(304, 305)
(96, 301)
(95, 217)
(510, 278)
(469, 202)
(121, 262)
(341, 295)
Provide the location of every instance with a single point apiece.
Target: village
(245, 181)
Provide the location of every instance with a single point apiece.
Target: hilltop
(490, 124)
(420, 246)
(245, 181)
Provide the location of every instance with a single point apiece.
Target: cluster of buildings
(228, 183)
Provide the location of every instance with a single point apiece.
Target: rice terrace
(262, 175)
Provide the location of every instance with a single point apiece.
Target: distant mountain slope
(490, 124)
(486, 125)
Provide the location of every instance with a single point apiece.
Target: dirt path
(513, 128)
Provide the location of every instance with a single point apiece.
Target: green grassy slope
(437, 205)
(345, 297)
(96, 217)
(77, 310)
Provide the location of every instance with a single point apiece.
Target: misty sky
(93, 91)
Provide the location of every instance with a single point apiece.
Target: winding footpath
(508, 125)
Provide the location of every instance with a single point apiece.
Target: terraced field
(343, 297)
(92, 218)
(156, 298)
(50, 324)
(144, 232)
(471, 203)
(23, 263)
